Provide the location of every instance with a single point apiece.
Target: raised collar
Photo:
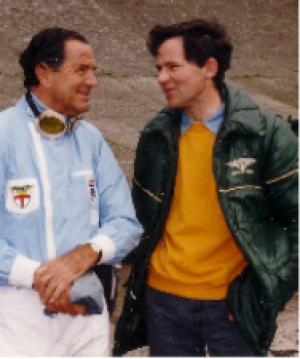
(40, 106)
(242, 114)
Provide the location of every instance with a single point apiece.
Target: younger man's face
(181, 81)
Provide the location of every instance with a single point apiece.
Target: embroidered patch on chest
(22, 196)
(242, 166)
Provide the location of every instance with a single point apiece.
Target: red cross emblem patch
(21, 195)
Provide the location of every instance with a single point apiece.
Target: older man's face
(71, 84)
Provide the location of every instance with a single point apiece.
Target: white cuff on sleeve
(107, 246)
(22, 272)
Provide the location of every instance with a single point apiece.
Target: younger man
(215, 187)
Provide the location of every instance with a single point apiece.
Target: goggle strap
(29, 99)
(70, 124)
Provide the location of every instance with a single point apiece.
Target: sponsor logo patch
(241, 164)
(22, 196)
(92, 190)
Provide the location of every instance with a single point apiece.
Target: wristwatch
(97, 249)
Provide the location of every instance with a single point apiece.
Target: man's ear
(211, 66)
(43, 73)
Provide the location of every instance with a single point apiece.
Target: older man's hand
(52, 278)
(64, 305)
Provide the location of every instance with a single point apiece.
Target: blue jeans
(180, 326)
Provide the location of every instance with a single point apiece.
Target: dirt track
(265, 63)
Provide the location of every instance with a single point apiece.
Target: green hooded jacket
(255, 162)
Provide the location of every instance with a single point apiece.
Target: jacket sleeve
(281, 182)
(119, 230)
(15, 269)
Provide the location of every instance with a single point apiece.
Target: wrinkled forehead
(77, 52)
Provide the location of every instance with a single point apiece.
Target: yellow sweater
(196, 256)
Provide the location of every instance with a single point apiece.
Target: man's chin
(78, 112)
(173, 105)
(82, 109)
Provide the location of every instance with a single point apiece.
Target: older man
(65, 206)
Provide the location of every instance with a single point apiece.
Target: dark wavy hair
(202, 39)
(47, 47)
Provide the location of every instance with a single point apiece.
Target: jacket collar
(40, 106)
(22, 102)
(242, 115)
(167, 122)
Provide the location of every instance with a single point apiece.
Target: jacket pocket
(83, 202)
(22, 196)
(83, 186)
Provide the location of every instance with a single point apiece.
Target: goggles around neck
(49, 123)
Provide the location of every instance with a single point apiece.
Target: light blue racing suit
(58, 194)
